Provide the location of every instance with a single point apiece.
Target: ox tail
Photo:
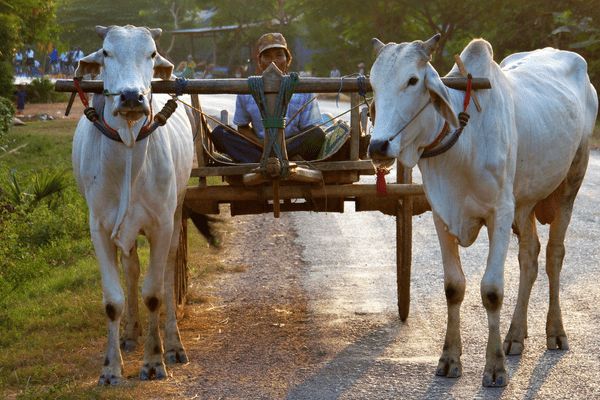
(124, 200)
(205, 225)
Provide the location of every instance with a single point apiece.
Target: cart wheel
(403, 245)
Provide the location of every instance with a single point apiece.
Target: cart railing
(403, 199)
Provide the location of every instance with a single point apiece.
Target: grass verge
(52, 324)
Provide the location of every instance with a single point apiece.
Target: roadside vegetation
(52, 326)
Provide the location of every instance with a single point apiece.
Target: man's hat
(273, 40)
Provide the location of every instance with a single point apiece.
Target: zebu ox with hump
(134, 186)
(524, 156)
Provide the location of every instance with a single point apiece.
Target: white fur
(532, 135)
(132, 188)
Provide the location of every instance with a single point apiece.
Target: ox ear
(430, 45)
(155, 32)
(377, 45)
(101, 31)
(90, 64)
(439, 95)
(162, 67)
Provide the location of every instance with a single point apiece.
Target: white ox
(524, 156)
(131, 188)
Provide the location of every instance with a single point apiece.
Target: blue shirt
(246, 111)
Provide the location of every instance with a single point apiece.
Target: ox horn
(101, 31)
(155, 32)
(377, 45)
(431, 44)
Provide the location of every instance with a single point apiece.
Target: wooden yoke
(272, 78)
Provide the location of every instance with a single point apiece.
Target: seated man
(303, 115)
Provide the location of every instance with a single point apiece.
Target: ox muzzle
(132, 104)
(378, 149)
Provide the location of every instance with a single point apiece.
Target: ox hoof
(153, 371)
(557, 343)
(496, 378)
(176, 356)
(449, 367)
(106, 380)
(128, 345)
(513, 348)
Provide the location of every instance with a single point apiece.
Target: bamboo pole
(240, 86)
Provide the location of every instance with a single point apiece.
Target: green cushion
(335, 137)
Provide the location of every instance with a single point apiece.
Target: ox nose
(378, 149)
(132, 99)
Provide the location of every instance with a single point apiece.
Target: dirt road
(310, 313)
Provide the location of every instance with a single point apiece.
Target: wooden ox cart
(322, 185)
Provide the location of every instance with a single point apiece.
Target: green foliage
(7, 112)
(6, 79)
(343, 28)
(80, 17)
(41, 90)
(27, 23)
(34, 222)
(45, 186)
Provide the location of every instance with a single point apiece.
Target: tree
(23, 22)
(78, 19)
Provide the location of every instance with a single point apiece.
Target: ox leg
(454, 286)
(114, 301)
(174, 351)
(556, 337)
(492, 295)
(529, 249)
(132, 330)
(152, 293)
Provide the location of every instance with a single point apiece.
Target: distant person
(29, 60)
(208, 71)
(35, 70)
(77, 55)
(361, 68)
(272, 47)
(64, 62)
(18, 62)
(21, 96)
(54, 61)
(335, 73)
(71, 67)
(190, 67)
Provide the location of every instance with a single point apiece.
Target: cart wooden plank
(227, 193)
(363, 166)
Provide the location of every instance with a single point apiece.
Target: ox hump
(477, 56)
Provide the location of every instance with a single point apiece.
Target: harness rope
(272, 122)
(150, 125)
(431, 150)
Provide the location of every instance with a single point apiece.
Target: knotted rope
(274, 121)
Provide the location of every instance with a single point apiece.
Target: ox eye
(104, 53)
(413, 81)
(153, 54)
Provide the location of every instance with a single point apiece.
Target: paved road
(347, 341)
(350, 280)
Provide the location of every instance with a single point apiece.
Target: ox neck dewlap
(149, 126)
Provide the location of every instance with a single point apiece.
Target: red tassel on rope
(81, 93)
(467, 93)
(380, 183)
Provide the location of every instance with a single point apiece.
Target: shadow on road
(343, 371)
(544, 366)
